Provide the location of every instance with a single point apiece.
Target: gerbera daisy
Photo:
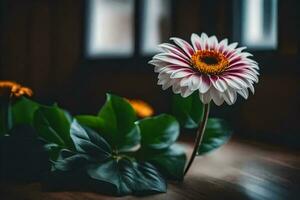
(217, 70)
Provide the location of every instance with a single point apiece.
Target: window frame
(266, 58)
(237, 29)
(269, 60)
(133, 61)
(237, 26)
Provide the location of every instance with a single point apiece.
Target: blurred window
(259, 24)
(156, 24)
(110, 28)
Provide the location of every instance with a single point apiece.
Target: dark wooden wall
(40, 44)
(42, 47)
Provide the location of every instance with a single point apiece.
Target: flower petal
(230, 49)
(196, 41)
(186, 91)
(173, 49)
(244, 93)
(186, 47)
(216, 96)
(213, 42)
(205, 98)
(168, 84)
(251, 88)
(176, 88)
(230, 96)
(219, 84)
(195, 82)
(181, 73)
(222, 45)
(232, 83)
(204, 84)
(185, 81)
(166, 69)
(205, 44)
(171, 55)
(238, 81)
(158, 63)
(171, 60)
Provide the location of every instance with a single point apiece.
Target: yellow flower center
(209, 62)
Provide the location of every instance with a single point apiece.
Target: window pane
(110, 28)
(155, 25)
(259, 24)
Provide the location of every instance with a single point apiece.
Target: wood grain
(239, 170)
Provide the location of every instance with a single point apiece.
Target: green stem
(199, 136)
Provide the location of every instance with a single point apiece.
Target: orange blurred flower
(14, 89)
(141, 108)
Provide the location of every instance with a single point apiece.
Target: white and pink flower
(217, 70)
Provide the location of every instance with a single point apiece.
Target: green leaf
(23, 111)
(53, 150)
(118, 173)
(188, 111)
(118, 126)
(158, 132)
(115, 122)
(53, 125)
(128, 177)
(91, 121)
(171, 161)
(157, 145)
(217, 133)
(87, 141)
(69, 160)
(68, 115)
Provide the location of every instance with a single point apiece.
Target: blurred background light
(259, 24)
(110, 28)
(156, 24)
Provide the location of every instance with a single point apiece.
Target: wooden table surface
(239, 170)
